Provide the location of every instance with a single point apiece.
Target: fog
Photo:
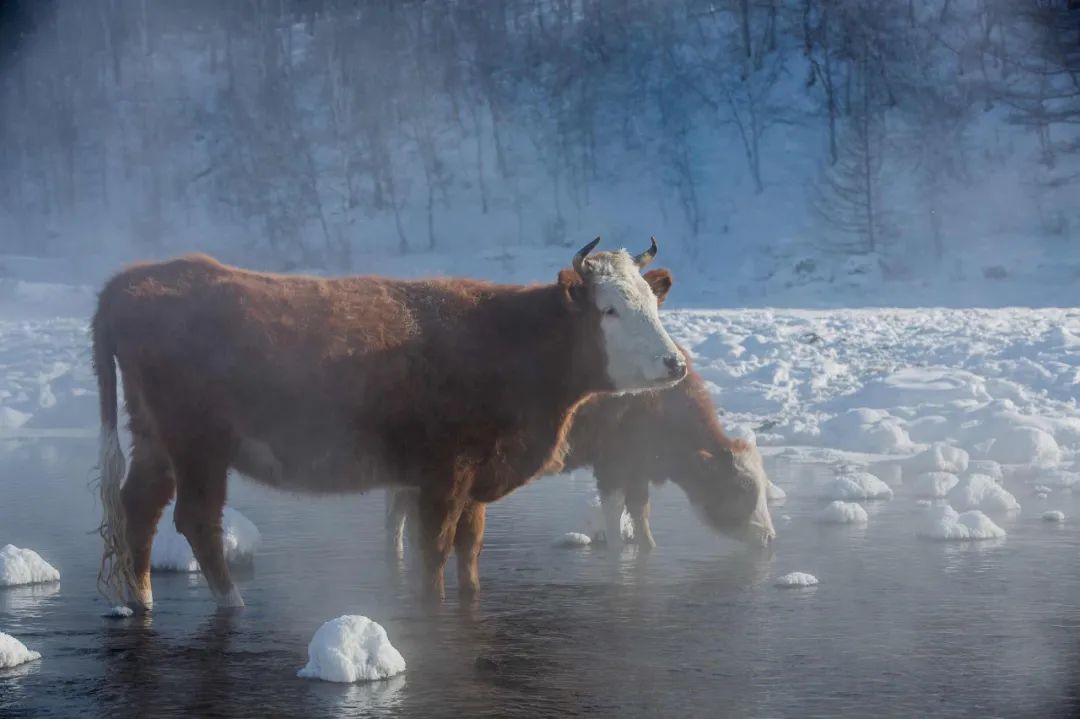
(778, 144)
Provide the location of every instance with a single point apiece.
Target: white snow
(119, 611)
(940, 457)
(351, 648)
(977, 491)
(946, 524)
(774, 493)
(172, 553)
(573, 539)
(934, 484)
(988, 467)
(796, 579)
(855, 485)
(1053, 515)
(24, 566)
(1027, 446)
(838, 512)
(1059, 478)
(13, 652)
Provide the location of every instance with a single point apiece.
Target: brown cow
(629, 440)
(459, 388)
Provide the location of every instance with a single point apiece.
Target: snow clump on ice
(573, 539)
(351, 648)
(13, 652)
(1053, 516)
(1027, 446)
(172, 553)
(856, 485)
(939, 457)
(843, 513)
(977, 491)
(797, 579)
(946, 524)
(935, 484)
(24, 566)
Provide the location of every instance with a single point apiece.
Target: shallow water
(898, 626)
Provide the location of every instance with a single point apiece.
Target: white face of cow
(640, 354)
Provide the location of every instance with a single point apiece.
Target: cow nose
(676, 366)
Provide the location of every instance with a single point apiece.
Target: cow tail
(116, 573)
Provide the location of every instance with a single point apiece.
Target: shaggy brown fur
(461, 389)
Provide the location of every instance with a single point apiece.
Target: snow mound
(843, 513)
(1026, 445)
(977, 491)
(13, 652)
(988, 467)
(946, 524)
(24, 566)
(774, 493)
(12, 418)
(1053, 516)
(915, 386)
(931, 428)
(856, 485)
(866, 430)
(172, 553)
(924, 502)
(935, 484)
(797, 579)
(119, 612)
(351, 648)
(1042, 495)
(940, 457)
(573, 539)
(1059, 478)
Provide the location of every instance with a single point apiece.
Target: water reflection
(27, 600)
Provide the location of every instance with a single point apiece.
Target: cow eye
(611, 312)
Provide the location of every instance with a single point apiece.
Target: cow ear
(573, 288)
(660, 282)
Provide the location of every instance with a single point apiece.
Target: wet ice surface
(899, 626)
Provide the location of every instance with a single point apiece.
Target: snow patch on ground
(946, 524)
(172, 553)
(796, 579)
(351, 648)
(13, 652)
(1026, 446)
(24, 566)
(838, 512)
(1053, 515)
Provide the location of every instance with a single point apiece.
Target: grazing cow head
(728, 488)
(608, 289)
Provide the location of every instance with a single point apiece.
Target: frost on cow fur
(946, 524)
(172, 553)
(351, 648)
(24, 566)
(13, 652)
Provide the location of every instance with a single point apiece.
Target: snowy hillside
(790, 152)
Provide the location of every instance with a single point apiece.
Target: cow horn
(579, 258)
(643, 260)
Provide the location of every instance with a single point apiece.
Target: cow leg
(148, 488)
(200, 498)
(637, 504)
(438, 517)
(612, 504)
(396, 500)
(468, 541)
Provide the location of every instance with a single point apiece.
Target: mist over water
(897, 626)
